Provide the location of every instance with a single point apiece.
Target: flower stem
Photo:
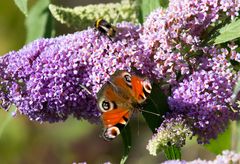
(172, 152)
(234, 137)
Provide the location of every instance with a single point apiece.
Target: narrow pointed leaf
(147, 6)
(228, 32)
(164, 3)
(127, 143)
(39, 22)
(156, 104)
(22, 5)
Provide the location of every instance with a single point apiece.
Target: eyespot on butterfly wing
(117, 98)
(115, 110)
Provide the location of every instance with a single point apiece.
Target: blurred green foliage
(236, 136)
(12, 30)
(81, 17)
(223, 142)
(39, 21)
(22, 5)
(146, 6)
(23, 141)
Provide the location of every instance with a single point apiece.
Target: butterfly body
(118, 98)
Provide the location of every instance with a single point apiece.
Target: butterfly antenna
(156, 114)
(109, 81)
(84, 88)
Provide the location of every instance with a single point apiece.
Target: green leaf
(147, 6)
(22, 5)
(222, 142)
(164, 3)
(228, 32)
(172, 153)
(81, 17)
(127, 143)
(155, 107)
(39, 22)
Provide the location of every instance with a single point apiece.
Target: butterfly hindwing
(114, 122)
(115, 110)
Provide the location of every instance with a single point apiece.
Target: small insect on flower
(117, 100)
(105, 27)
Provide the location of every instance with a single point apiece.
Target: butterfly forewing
(134, 87)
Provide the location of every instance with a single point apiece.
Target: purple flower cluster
(201, 76)
(51, 79)
(174, 37)
(204, 97)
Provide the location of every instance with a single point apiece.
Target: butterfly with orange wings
(118, 98)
